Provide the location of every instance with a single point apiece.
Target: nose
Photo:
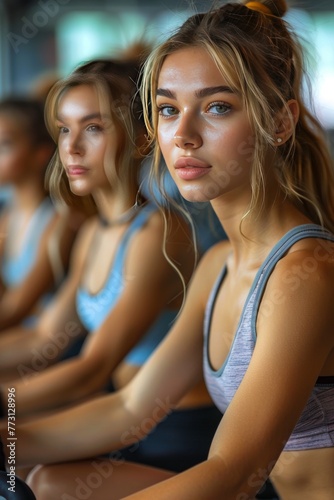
(187, 135)
(73, 144)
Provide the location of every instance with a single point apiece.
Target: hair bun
(136, 51)
(275, 7)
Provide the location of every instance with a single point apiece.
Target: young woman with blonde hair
(229, 119)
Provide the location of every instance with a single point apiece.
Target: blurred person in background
(36, 238)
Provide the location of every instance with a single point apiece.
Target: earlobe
(286, 121)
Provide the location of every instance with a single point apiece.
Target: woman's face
(203, 129)
(17, 153)
(88, 141)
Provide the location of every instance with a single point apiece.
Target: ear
(286, 121)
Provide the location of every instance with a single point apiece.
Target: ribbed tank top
(315, 427)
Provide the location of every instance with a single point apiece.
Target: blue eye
(219, 108)
(167, 111)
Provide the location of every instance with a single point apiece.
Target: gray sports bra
(315, 428)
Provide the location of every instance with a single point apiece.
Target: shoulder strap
(282, 246)
(290, 238)
(138, 222)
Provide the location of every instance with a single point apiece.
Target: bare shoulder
(298, 298)
(168, 231)
(62, 229)
(310, 263)
(171, 223)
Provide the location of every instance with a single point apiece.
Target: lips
(73, 170)
(188, 162)
(190, 169)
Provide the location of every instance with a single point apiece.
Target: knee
(40, 480)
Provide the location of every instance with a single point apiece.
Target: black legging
(11, 486)
(180, 441)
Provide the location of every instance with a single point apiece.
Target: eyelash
(162, 108)
(227, 108)
(96, 128)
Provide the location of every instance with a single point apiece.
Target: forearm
(18, 303)
(12, 312)
(85, 431)
(209, 480)
(25, 351)
(21, 353)
(64, 383)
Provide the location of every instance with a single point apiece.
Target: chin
(194, 195)
(79, 190)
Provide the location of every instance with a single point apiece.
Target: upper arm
(48, 269)
(54, 252)
(176, 365)
(62, 309)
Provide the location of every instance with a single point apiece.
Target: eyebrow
(207, 91)
(91, 116)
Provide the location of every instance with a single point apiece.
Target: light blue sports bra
(315, 427)
(14, 268)
(94, 308)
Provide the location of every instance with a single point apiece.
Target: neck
(252, 236)
(119, 210)
(123, 218)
